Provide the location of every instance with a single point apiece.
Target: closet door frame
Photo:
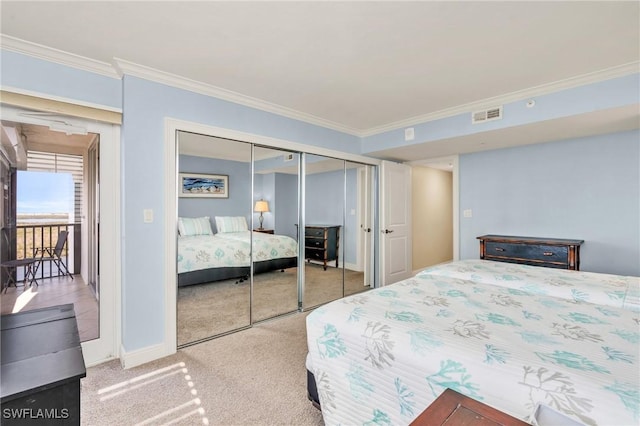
(172, 127)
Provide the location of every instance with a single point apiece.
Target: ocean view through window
(45, 205)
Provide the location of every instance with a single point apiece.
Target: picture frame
(198, 185)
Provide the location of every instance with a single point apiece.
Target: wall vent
(490, 114)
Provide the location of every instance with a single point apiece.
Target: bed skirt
(218, 274)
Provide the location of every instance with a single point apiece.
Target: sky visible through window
(44, 192)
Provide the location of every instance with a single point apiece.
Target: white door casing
(107, 346)
(395, 222)
(365, 209)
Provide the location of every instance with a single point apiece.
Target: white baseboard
(142, 356)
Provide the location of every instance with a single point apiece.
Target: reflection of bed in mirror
(207, 257)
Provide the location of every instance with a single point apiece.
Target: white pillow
(231, 223)
(194, 226)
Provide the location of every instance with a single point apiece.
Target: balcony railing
(25, 241)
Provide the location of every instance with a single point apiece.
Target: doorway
(54, 171)
(433, 200)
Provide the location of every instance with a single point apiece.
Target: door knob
(386, 231)
(366, 229)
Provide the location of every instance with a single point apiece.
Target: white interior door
(395, 222)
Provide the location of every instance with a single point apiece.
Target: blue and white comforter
(231, 249)
(383, 356)
(603, 289)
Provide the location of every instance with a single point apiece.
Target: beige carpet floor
(206, 310)
(252, 377)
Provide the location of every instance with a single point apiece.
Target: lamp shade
(261, 206)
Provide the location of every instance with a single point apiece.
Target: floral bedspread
(231, 250)
(383, 356)
(603, 289)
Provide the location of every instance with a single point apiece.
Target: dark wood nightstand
(454, 409)
(264, 230)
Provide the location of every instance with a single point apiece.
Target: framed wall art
(204, 186)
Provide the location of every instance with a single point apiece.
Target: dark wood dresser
(321, 243)
(548, 252)
(42, 365)
(452, 408)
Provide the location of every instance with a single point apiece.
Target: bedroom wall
(146, 104)
(239, 201)
(264, 189)
(432, 213)
(286, 204)
(602, 95)
(27, 73)
(327, 209)
(586, 188)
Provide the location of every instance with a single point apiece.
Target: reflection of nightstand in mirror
(264, 230)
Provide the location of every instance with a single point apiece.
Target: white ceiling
(358, 66)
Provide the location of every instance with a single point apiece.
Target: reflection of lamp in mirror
(261, 206)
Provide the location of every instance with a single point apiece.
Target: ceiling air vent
(486, 115)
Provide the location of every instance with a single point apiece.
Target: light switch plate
(467, 213)
(148, 215)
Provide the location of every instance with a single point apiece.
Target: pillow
(231, 223)
(194, 226)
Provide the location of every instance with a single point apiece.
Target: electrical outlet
(467, 213)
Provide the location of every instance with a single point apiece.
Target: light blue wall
(325, 203)
(239, 202)
(35, 75)
(587, 188)
(286, 204)
(616, 92)
(602, 215)
(265, 191)
(145, 106)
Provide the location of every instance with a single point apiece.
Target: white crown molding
(136, 70)
(544, 89)
(57, 56)
(119, 67)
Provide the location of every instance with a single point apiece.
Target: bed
(207, 257)
(384, 356)
(602, 289)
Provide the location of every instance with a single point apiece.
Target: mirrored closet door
(249, 248)
(215, 205)
(275, 214)
(323, 230)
